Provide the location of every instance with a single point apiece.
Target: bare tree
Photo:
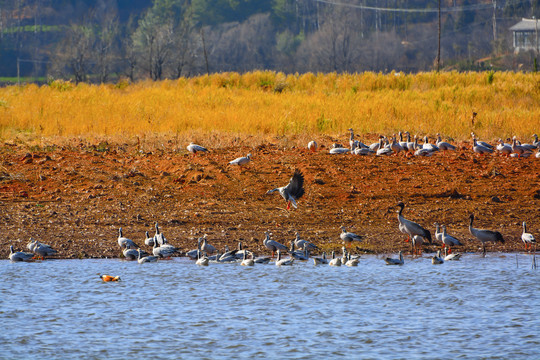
(186, 40)
(154, 41)
(242, 46)
(336, 46)
(105, 42)
(74, 53)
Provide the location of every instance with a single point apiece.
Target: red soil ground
(75, 198)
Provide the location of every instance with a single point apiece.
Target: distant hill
(104, 40)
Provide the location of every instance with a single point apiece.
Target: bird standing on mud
(349, 237)
(194, 148)
(484, 235)
(293, 191)
(241, 161)
(411, 228)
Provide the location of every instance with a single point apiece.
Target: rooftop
(525, 25)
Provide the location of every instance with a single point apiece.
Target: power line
(401, 10)
(34, 61)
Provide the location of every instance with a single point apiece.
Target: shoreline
(75, 199)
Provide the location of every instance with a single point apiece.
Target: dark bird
(411, 228)
(293, 191)
(484, 235)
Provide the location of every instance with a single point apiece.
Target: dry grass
(249, 108)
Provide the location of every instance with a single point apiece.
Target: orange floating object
(109, 278)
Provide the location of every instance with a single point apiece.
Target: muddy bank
(75, 198)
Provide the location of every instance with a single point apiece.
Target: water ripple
(474, 308)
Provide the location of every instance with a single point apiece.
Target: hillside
(101, 41)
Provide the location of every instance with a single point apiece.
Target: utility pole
(18, 72)
(439, 44)
(494, 20)
(536, 28)
(204, 51)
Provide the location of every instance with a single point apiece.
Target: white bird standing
(194, 148)
(206, 247)
(41, 250)
(411, 228)
(353, 143)
(130, 253)
(480, 149)
(448, 240)
(427, 145)
(443, 145)
(482, 143)
(163, 251)
(484, 235)
(273, 245)
(293, 191)
(438, 233)
(149, 241)
(527, 238)
(520, 150)
(384, 150)
(503, 148)
(301, 243)
(349, 237)
(241, 161)
(123, 241)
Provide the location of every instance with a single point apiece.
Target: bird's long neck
(471, 229)
(524, 227)
(400, 217)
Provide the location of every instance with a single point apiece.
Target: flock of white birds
(300, 249)
(403, 143)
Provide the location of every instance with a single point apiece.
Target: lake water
(476, 308)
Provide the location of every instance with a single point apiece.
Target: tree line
(100, 41)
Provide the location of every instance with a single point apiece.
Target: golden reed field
(270, 104)
(79, 161)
